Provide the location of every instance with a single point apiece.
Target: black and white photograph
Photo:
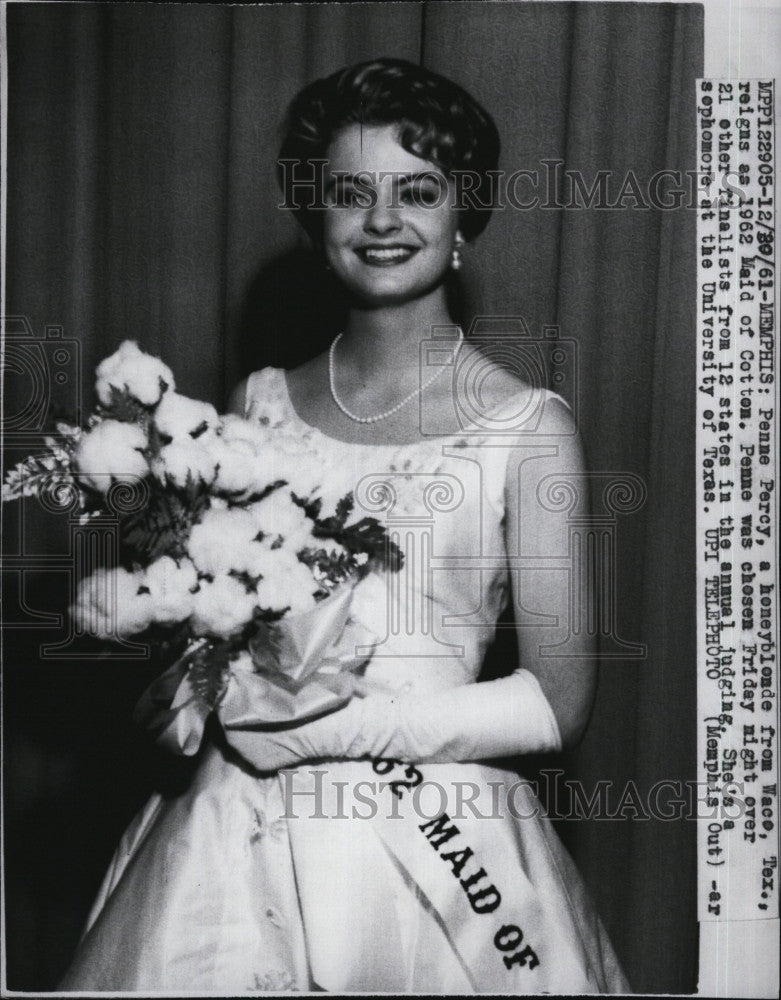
(389, 501)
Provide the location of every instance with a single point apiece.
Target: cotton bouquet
(226, 553)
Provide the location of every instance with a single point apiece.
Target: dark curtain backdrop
(142, 203)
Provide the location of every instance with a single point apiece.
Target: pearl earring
(455, 259)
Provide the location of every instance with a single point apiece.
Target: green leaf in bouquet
(209, 668)
(33, 474)
(264, 644)
(156, 441)
(366, 535)
(51, 470)
(335, 567)
(266, 616)
(202, 427)
(345, 507)
(168, 642)
(68, 433)
(194, 492)
(151, 540)
(163, 526)
(333, 526)
(311, 508)
(243, 501)
(124, 407)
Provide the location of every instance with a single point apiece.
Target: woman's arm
(532, 530)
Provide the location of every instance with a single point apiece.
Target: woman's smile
(386, 255)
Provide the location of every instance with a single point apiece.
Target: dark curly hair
(438, 121)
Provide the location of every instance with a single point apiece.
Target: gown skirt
(365, 876)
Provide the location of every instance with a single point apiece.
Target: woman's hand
(264, 749)
(328, 737)
(500, 718)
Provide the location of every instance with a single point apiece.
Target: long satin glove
(501, 718)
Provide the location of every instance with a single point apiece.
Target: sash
(500, 915)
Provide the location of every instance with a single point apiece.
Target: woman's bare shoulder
(498, 387)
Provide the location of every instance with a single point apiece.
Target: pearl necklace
(394, 409)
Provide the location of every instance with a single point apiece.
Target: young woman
(370, 849)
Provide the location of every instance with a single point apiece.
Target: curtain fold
(669, 752)
(143, 203)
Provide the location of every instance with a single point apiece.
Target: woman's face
(389, 228)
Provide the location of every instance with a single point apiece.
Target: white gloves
(500, 718)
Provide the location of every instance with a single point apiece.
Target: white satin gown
(362, 876)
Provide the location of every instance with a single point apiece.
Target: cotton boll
(89, 612)
(257, 559)
(286, 582)
(277, 515)
(271, 564)
(238, 467)
(301, 589)
(179, 416)
(92, 621)
(222, 607)
(292, 464)
(184, 458)
(111, 451)
(220, 541)
(170, 588)
(132, 369)
(135, 611)
(273, 597)
(110, 605)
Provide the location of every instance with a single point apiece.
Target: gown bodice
(442, 499)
